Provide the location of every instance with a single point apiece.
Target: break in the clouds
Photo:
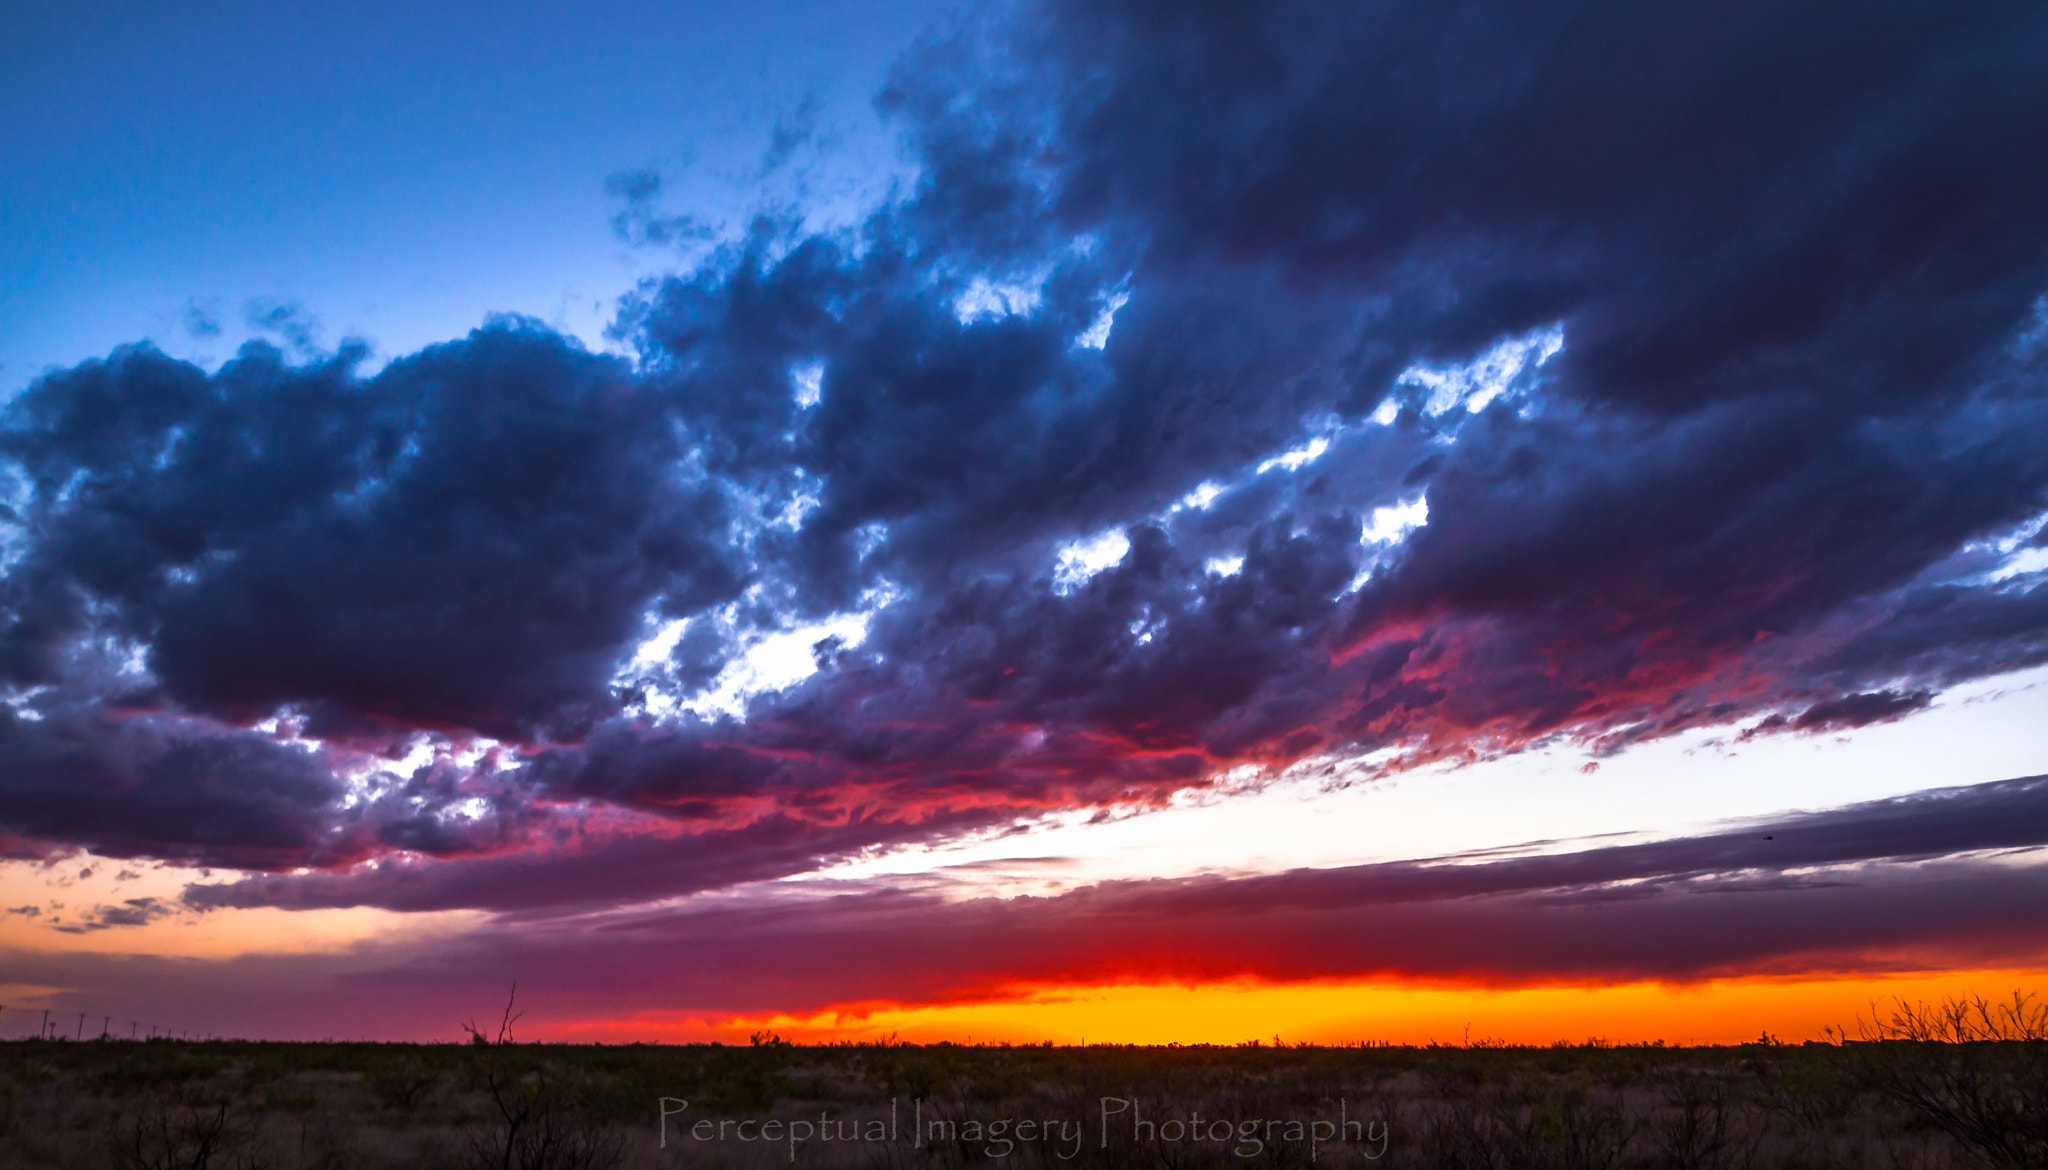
(1237, 386)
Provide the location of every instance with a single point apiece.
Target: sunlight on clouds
(1204, 495)
(2033, 336)
(801, 503)
(775, 662)
(1492, 374)
(19, 702)
(1082, 559)
(987, 300)
(656, 650)
(807, 383)
(15, 494)
(2021, 551)
(2025, 562)
(759, 662)
(1386, 528)
(869, 537)
(1298, 458)
(372, 778)
(1395, 521)
(1096, 335)
(473, 808)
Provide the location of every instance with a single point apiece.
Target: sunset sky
(1132, 521)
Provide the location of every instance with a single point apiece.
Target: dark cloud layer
(1871, 888)
(1713, 337)
(1939, 880)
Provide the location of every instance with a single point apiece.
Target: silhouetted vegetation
(1957, 1084)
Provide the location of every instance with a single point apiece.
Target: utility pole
(45, 1033)
(81, 1027)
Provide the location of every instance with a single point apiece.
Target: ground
(245, 1105)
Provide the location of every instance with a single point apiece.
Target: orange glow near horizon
(1727, 1011)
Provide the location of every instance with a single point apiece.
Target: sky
(1039, 520)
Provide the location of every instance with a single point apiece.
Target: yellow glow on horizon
(74, 890)
(227, 934)
(1724, 1011)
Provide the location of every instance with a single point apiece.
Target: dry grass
(1934, 1087)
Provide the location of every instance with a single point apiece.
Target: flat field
(341, 1106)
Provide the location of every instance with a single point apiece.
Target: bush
(1975, 1070)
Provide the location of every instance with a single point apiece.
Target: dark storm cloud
(1717, 199)
(465, 540)
(1751, 297)
(141, 786)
